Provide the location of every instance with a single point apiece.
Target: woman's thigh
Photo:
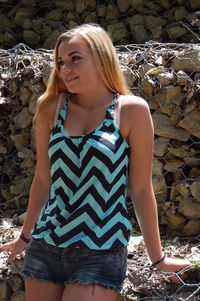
(77, 292)
(42, 290)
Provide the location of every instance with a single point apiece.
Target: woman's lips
(71, 78)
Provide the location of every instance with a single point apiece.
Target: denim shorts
(43, 261)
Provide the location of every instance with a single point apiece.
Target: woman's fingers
(11, 257)
(7, 247)
(14, 247)
(18, 247)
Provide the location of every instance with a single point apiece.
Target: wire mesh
(147, 283)
(143, 61)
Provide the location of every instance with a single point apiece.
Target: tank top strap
(58, 109)
(110, 110)
(114, 101)
(62, 113)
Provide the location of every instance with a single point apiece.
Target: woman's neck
(93, 100)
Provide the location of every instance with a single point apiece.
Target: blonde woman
(92, 137)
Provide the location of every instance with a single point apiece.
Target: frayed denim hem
(27, 275)
(101, 283)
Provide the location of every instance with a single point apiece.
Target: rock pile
(39, 23)
(168, 77)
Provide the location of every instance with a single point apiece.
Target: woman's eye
(75, 58)
(60, 63)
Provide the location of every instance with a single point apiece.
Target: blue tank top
(87, 199)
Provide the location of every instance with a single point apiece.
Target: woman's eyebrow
(71, 53)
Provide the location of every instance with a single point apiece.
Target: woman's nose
(66, 66)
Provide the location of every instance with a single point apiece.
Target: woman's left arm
(140, 139)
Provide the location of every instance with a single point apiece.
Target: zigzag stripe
(67, 166)
(49, 206)
(105, 129)
(112, 147)
(44, 227)
(100, 137)
(47, 222)
(76, 150)
(101, 222)
(81, 145)
(104, 159)
(63, 180)
(59, 145)
(96, 205)
(89, 158)
(63, 216)
(43, 211)
(55, 141)
(117, 239)
(70, 145)
(55, 211)
(94, 172)
(94, 177)
(76, 173)
(93, 192)
(69, 227)
(84, 229)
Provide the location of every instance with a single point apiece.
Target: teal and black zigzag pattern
(86, 205)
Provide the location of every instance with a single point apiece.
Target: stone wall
(168, 77)
(39, 23)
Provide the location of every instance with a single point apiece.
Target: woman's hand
(173, 265)
(13, 247)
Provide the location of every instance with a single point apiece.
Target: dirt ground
(143, 282)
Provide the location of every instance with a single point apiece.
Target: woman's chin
(72, 89)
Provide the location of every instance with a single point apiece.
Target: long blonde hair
(105, 57)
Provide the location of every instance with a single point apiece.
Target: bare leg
(43, 290)
(77, 292)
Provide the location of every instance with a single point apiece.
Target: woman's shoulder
(135, 114)
(46, 107)
(132, 101)
(134, 106)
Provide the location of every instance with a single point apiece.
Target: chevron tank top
(86, 205)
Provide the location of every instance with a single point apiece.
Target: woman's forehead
(75, 43)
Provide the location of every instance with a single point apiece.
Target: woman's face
(77, 66)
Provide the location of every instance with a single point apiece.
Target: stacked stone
(169, 80)
(22, 83)
(174, 101)
(39, 23)
(167, 77)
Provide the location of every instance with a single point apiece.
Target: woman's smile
(71, 78)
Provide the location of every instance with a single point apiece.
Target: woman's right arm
(39, 191)
(41, 182)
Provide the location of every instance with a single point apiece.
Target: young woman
(92, 138)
